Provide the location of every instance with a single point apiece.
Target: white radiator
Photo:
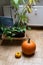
(36, 17)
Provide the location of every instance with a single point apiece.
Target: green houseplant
(19, 28)
(21, 17)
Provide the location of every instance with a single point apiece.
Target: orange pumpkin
(28, 48)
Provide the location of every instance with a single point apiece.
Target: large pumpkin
(28, 47)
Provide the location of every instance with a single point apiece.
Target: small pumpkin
(18, 55)
(28, 47)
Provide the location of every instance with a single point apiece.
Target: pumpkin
(28, 47)
(17, 54)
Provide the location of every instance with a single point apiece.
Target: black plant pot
(19, 34)
(1, 33)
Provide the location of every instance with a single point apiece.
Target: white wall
(3, 2)
(40, 3)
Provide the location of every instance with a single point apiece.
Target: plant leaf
(34, 2)
(29, 28)
(30, 2)
(16, 1)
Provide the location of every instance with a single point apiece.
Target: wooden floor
(7, 53)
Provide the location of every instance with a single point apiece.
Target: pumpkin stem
(29, 40)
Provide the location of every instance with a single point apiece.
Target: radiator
(35, 18)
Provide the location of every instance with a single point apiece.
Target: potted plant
(19, 28)
(21, 16)
(13, 32)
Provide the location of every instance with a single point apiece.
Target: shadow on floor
(28, 55)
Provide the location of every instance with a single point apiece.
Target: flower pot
(17, 40)
(16, 36)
